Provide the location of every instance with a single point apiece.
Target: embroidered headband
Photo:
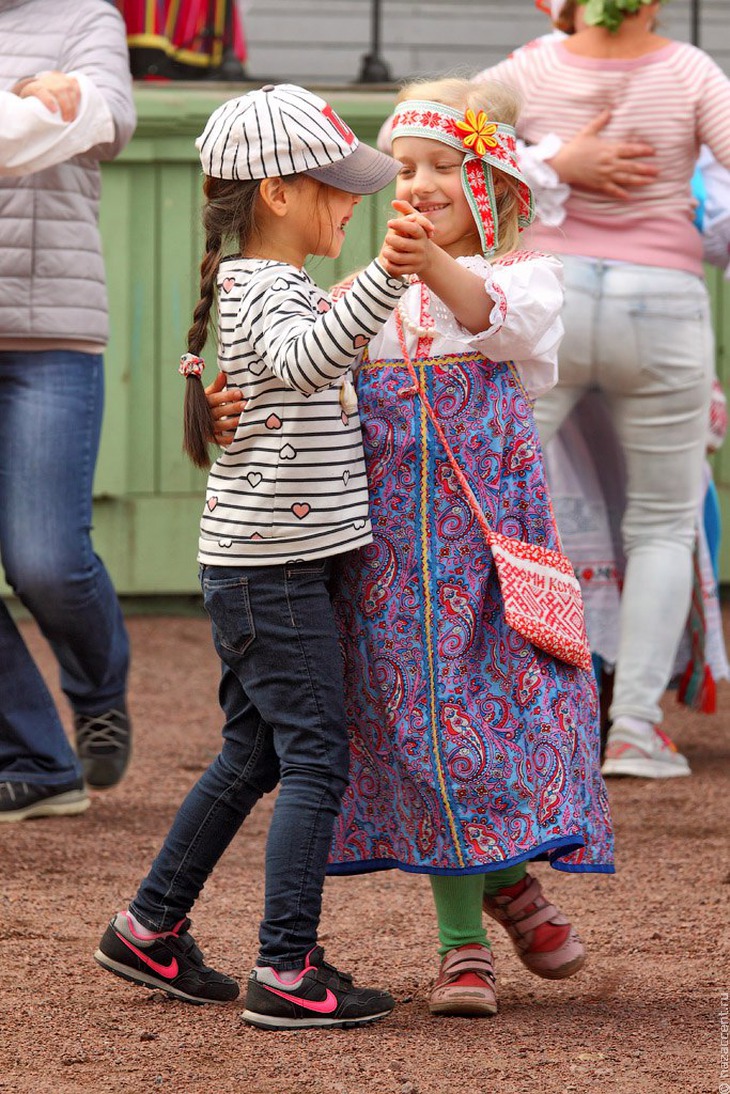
(486, 144)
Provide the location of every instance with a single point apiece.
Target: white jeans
(643, 336)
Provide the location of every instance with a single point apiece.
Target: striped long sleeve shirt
(292, 485)
(676, 98)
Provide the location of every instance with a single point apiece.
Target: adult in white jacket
(53, 330)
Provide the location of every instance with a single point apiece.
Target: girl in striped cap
(283, 174)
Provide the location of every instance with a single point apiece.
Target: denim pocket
(228, 604)
(672, 338)
(316, 568)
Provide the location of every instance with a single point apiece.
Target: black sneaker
(321, 997)
(171, 963)
(104, 745)
(21, 801)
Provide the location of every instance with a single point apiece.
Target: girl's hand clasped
(226, 406)
(407, 248)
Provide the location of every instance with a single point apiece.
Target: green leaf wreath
(610, 13)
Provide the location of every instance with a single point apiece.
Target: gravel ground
(643, 1016)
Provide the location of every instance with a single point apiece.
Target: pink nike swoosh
(324, 1006)
(168, 971)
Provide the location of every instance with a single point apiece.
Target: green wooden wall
(147, 497)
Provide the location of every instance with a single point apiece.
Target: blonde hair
(500, 104)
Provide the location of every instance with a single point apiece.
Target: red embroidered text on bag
(542, 598)
(541, 594)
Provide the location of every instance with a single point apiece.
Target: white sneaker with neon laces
(642, 755)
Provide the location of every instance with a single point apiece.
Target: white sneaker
(634, 754)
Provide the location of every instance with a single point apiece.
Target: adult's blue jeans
(50, 420)
(282, 695)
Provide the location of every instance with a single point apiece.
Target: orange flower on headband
(478, 132)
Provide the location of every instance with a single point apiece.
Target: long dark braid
(228, 215)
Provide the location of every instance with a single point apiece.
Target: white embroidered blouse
(525, 325)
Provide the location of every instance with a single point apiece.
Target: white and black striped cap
(287, 130)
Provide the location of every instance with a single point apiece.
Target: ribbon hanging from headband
(486, 145)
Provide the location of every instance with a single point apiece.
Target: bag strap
(460, 476)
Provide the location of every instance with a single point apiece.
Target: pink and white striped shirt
(676, 98)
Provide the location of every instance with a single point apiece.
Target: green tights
(458, 901)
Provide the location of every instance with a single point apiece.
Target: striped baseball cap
(287, 130)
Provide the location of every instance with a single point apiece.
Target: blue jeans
(281, 691)
(50, 420)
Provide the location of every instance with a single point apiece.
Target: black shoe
(20, 801)
(104, 745)
(321, 997)
(171, 963)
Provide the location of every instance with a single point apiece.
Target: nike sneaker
(170, 962)
(321, 996)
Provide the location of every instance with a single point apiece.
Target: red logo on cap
(343, 129)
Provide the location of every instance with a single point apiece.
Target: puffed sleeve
(548, 192)
(525, 324)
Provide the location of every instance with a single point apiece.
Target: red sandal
(544, 940)
(465, 984)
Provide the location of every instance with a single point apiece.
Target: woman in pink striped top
(637, 324)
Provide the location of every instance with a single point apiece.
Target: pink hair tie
(190, 365)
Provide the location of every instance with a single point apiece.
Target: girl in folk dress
(472, 751)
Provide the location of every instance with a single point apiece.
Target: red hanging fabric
(181, 39)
